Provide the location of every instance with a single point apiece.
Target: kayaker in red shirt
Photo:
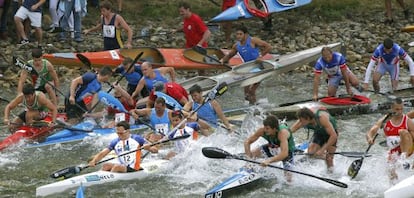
(195, 30)
(175, 90)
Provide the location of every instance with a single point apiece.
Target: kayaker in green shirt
(325, 134)
(280, 146)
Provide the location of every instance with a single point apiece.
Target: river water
(191, 174)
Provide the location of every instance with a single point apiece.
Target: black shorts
(129, 169)
(73, 110)
(287, 162)
(42, 89)
(22, 116)
(321, 139)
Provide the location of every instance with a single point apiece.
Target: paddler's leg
(375, 81)
(119, 168)
(107, 166)
(32, 115)
(51, 92)
(333, 83)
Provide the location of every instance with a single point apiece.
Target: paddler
(123, 143)
(325, 137)
(249, 48)
(399, 133)
(36, 104)
(172, 89)
(82, 88)
(279, 147)
(48, 80)
(334, 65)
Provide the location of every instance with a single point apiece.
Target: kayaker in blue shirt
(249, 48)
(83, 87)
(125, 142)
(133, 76)
(280, 146)
(151, 76)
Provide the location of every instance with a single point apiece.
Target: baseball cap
(158, 86)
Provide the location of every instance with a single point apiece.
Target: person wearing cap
(387, 55)
(175, 90)
(151, 76)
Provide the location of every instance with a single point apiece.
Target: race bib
(161, 128)
(393, 141)
(119, 117)
(109, 31)
(332, 70)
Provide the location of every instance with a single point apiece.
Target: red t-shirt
(194, 29)
(128, 107)
(172, 89)
(228, 4)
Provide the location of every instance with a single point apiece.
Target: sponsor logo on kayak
(215, 195)
(92, 178)
(247, 179)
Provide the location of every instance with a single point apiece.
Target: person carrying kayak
(37, 107)
(250, 48)
(123, 143)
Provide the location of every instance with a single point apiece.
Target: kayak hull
(403, 189)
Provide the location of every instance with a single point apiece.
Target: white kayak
(100, 177)
(403, 189)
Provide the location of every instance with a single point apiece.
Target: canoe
(403, 189)
(73, 135)
(245, 9)
(100, 177)
(179, 58)
(34, 132)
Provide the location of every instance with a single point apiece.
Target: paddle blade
(66, 172)
(22, 64)
(216, 153)
(200, 49)
(220, 90)
(354, 168)
(111, 101)
(85, 60)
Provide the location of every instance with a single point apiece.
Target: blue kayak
(74, 135)
(245, 9)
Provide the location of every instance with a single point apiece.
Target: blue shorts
(392, 69)
(335, 81)
(287, 162)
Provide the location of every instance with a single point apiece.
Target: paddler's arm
(205, 37)
(411, 114)
(13, 104)
(124, 94)
(296, 126)
(188, 106)
(324, 121)
(220, 114)
(22, 80)
(53, 74)
(125, 26)
(264, 46)
(371, 65)
(374, 129)
(316, 79)
(48, 104)
(250, 140)
(152, 149)
(72, 90)
(95, 28)
(140, 112)
(410, 124)
(283, 136)
(168, 70)
(98, 157)
(138, 89)
(410, 63)
(228, 56)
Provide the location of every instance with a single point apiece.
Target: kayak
(178, 58)
(403, 189)
(245, 9)
(408, 28)
(354, 100)
(34, 132)
(78, 133)
(100, 177)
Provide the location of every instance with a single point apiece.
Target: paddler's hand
(259, 59)
(315, 98)
(52, 124)
(350, 93)
(128, 45)
(133, 114)
(72, 100)
(86, 31)
(365, 86)
(92, 163)
(6, 122)
(265, 163)
(320, 152)
(370, 140)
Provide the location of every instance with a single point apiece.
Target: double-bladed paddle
(73, 170)
(346, 154)
(203, 51)
(217, 153)
(354, 168)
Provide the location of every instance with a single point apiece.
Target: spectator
(388, 11)
(78, 9)
(31, 9)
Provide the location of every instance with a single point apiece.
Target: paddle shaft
(346, 154)
(203, 52)
(331, 181)
(22, 64)
(119, 80)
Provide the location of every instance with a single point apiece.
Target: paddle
(119, 79)
(85, 60)
(217, 153)
(346, 154)
(73, 170)
(354, 168)
(68, 127)
(203, 52)
(29, 68)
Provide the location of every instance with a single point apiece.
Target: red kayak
(34, 131)
(354, 100)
